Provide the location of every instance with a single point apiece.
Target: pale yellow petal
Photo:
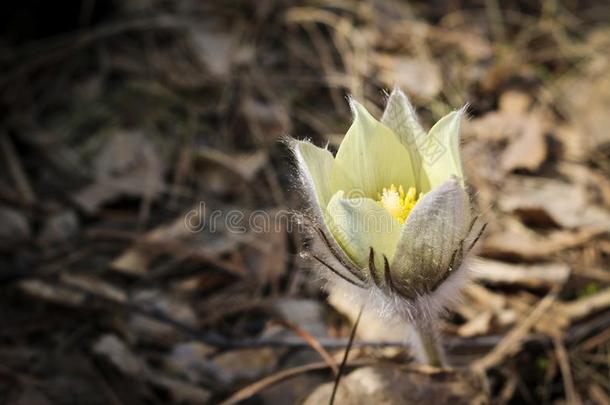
(370, 157)
(315, 165)
(441, 151)
(360, 224)
(400, 117)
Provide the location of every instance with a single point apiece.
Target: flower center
(398, 203)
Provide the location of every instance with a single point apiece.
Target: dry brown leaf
(528, 150)
(417, 77)
(465, 310)
(587, 305)
(522, 243)
(246, 166)
(494, 126)
(594, 179)
(554, 322)
(511, 343)
(475, 46)
(189, 235)
(135, 260)
(514, 102)
(584, 96)
(245, 364)
(59, 227)
(93, 285)
(481, 299)
(524, 131)
(267, 255)
(180, 391)
(389, 385)
(52, 292)
(213, 47)
(537, 275)
(479, 325)
(191, 360)
(152, 330)
(127, 165)
(485, 298)
(117, 352)
(571, 137)
(307, 314)
(266, 120)
(548, 202)
(123, 358)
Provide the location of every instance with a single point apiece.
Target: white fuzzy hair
(389, 305)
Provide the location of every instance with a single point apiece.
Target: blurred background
(128, 126)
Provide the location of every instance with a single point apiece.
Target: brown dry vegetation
(121, 118)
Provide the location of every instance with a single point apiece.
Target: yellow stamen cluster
(398, 203)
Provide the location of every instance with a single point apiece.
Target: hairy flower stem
(427, 345)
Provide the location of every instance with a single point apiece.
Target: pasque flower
(390, 213)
